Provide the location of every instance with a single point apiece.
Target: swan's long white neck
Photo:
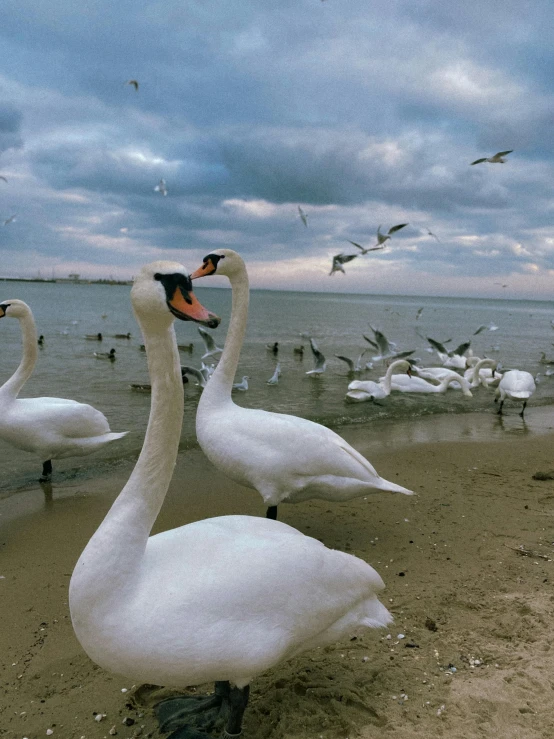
(30, 353)
(386, 382)
(482, 363)
(221, 382)
(118, 545)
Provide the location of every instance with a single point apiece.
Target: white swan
(223, 599)
(407, 384)
(50, 427)
(282, 457)
(484, 373)
(516, 385)
(362, 390)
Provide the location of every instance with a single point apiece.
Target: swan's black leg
(182, 713)
(46, 471)
(271, 512)
(237, 701)
(523, 409)
(500, 409)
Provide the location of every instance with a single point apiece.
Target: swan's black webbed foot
(189, 713)
(271, 512)
(46, 471)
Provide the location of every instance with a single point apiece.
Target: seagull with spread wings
(365, 250)
(209, 343)
(339, 260)
(303, 216)
(161, 187)
(320, 361)
(381, 238)
(133, 83)
(498, 158)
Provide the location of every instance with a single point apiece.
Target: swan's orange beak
(209, 266)
(187, 307)
(3, 309)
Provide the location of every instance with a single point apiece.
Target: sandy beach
(469, 580)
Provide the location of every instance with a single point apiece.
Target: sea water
(66, 367)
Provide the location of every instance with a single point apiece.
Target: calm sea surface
(66, 368)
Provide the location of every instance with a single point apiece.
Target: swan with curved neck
(406, 384)
(284, 457)
(361, 390)
(222, 599)
(52, 428)
(483, 373)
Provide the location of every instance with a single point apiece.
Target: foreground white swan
(52, 428)
(223, 599)
(282, 457)
(362, 390)
(407, 384)
(516, 385)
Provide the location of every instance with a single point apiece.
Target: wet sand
(475, 608)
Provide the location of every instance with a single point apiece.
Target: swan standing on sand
(516, 385)
(50, 427)
(282, 457)
(223, 599)
(362, 390)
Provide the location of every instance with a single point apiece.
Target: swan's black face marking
(209, 266)
(3, 308)
(182, 302)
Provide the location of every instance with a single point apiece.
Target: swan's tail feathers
(376, 615)
(113, 436)
(520, 394)
(391, 487)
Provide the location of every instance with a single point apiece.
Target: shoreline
(450, 557)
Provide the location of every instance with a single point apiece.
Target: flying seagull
(353, 367)
(3, 178)
(161, 187)
(498, 158)
(419, 312)
(339, 260)
(320, 361)
(209, 343)
(11, 219)
(303, 216)
(430, 233)
(365, 250)
(134, 83)
(381, 238)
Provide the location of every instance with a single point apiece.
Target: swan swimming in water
(52, 428)
(222, 599)
(362, 390)
(407, 384)
(283, 457)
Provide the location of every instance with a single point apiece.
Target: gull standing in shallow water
(52, 428)
(218, 600)
(284, 457)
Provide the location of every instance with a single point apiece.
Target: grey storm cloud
(10, 127)
(364, 114)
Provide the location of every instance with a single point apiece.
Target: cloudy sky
(362, 113)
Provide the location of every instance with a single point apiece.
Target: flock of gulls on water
(226, 598)
(222, 599)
